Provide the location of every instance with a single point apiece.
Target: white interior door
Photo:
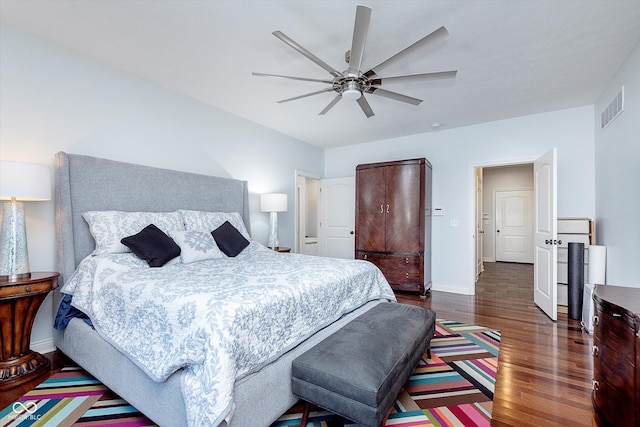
(514, 226)
(545, 279)
(336, 226)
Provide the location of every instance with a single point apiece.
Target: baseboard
(454, 289)
(44, 346)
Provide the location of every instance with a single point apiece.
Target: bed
(259, 392)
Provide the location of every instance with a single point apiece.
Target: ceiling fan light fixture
(351, 92)
(353, 83)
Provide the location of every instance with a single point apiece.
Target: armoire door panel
(370, 209)
(404, 214)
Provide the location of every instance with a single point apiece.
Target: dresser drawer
(614, 367)
(19, 291)
(613, 406)
(612, 329)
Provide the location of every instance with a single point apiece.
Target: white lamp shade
(24, 181)
(273, 202)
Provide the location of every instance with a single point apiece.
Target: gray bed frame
(86, 183)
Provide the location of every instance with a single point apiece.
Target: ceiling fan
(352, 83)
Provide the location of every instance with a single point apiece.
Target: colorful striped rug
(71, 398)
(453, 388)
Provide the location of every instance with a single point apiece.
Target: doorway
(307, 200)
(504, 226)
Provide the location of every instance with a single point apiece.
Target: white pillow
(196, 246)
(209, 221)
(109, 227)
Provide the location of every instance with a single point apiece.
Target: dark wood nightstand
(280, 249)
(19, 303)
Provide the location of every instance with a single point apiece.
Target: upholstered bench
(359, 371)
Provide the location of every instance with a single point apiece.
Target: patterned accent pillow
(108, 228)
(196, 246)
(209, 221)
(152, 245)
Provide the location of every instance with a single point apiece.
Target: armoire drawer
(397, 269)
(373, 257)
(408, 275)
(400, 262)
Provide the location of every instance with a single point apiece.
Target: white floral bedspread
(219, 319)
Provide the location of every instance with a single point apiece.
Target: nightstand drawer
(19, 291)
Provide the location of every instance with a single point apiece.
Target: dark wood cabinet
(616, 355)
(393, 223)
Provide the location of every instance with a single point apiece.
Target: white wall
(617, 164)
(501, 178)
(454, 153)
(52, 99)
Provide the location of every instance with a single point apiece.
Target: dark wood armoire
(393, 221)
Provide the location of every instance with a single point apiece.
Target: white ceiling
(513, 57)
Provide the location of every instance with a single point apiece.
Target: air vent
(613, 110)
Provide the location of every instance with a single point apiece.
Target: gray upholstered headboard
(86, 183)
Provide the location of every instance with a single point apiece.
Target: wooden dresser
(616, 356)
(393, 221)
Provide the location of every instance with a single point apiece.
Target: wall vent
(613, 110)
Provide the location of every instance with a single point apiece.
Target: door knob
(497, 231)
(351, 232)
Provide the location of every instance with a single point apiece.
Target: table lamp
(19, 182)
(273, 203)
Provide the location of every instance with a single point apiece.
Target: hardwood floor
(545, 368)
(510, 280)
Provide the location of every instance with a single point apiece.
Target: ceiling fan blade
(305, 52)
(439, 33)
(360, 30)
(394, 95)
(329, 89)
(333, 102)
(366, 108)
(292, 78)
(414, 77)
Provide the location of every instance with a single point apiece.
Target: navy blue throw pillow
(230, 241)
(152, 245)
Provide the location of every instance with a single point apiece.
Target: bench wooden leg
(305, 414)
(384, 420)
